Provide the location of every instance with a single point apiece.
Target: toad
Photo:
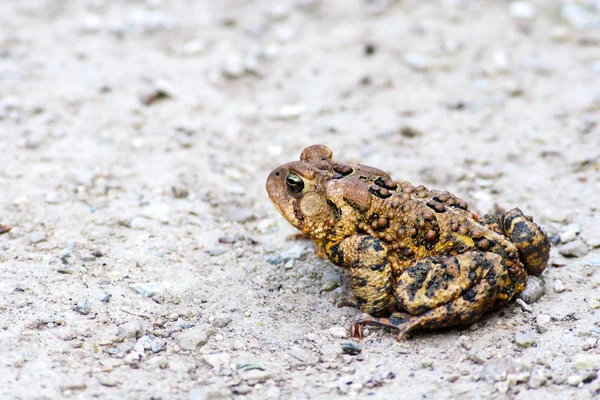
(417, 258)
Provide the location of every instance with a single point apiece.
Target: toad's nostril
(277, 173)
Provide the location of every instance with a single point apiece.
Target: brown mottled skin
(417, 258)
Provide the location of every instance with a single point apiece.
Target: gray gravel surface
(146, 261)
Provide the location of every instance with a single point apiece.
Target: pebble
(51, 198)
(590, 343)
(83, 307)
(109, 380)
(574, 380)
(410, 131)
(204, 393)
(158, 344)
(416, 62)
(222, 320)
(193, 48)
(243, 215)
(159, 212)
(351, 349)
(217, 360)
(498, 369)
(522, 11)
(147, 289)
(541, 323)
(330, 284)
(594, 262)
(524, 340)
(524, 306)
(83, 177)
(139, 223)
(36, 237)
(578, 16)
(534, 290)
(192, 338)
(291, 111)
(559, 287)
(159, 91)
(569, 233)
(576, 248)
(338, 332)
(585, 362)
(537, 378)
(105, 297)
(142, 344)
(426, 362)
(132, 329)
(257, 375)
(233, 67)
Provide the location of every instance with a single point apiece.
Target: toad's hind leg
(530, 239)
(465, 310)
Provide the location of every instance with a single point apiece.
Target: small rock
(541, 323)
(497, 369)
(569, 233)
(83, 177)
(330, 285)
(222, 320)
(139, 223)
(416, 62)
(158, 212)
(522, 11)
(105, 297)
(537, 378)
(109, 380)
(132, 329)
(204, 393)
(410, 131)
(233, 67)
(243, 215)
(291, 111)
(36, 237)
(350, 348)
(83, 307)
(158, 344)
(574, 380)
(593, 262)
(179, 191)
(193, 48)
(524, 340)
(51, 198)
(586, 362)
(257, 375)
(534, 290)
(147, 289)
(159, 91)
(338, 332)
(426, 362)
(524, 306)
(217, 360)
(192, 338)
(576, 248)
(559, 287)
(590, 343)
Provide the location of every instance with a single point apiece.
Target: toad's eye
(294, 183)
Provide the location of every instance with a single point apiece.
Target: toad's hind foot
(402, 325)
(465, 310)
(530, 239)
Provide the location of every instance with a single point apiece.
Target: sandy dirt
(145, 260)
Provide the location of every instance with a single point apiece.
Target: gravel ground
(146, 261)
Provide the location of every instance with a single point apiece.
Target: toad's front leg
(370, 273)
